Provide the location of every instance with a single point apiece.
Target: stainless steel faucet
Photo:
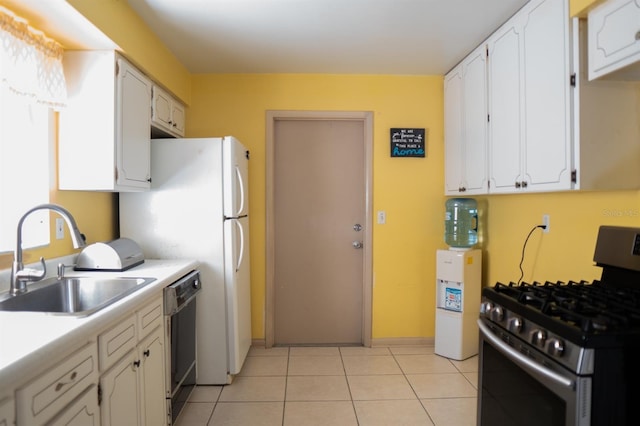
(21, 276)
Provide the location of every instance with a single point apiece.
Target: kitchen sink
(77, 296)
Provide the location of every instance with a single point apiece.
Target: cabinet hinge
(99, 395)
(572, 80)
(574, 176)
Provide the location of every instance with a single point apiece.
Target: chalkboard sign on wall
(408, 142)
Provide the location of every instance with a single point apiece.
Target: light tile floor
(345, 386)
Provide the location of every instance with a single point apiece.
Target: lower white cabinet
(132, 390)
(7, 412)
(84, 411)
(49, 395)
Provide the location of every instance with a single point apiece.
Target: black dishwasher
(180, 335)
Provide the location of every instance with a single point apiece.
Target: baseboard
(403, 341)
(258, 342)
(386, 341)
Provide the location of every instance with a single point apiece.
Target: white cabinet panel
(466, 126)
(84, 411)
(7, 412)
(47, 395)
(505, 105)
(104, 132)
(167, 114)
(614, 37)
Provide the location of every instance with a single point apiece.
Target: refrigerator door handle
(241, 253)
(242, 194)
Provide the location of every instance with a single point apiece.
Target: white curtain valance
(30, 62)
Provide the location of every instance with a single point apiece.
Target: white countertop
(29, 340)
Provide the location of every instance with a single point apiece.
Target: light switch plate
(59, 228)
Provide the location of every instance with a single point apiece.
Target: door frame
(366, 117)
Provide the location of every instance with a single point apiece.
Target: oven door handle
(522, 360)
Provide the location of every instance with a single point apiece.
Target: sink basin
(79, 296)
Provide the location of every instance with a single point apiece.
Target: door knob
(357, 227)
(357, 244)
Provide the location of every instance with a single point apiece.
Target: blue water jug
(461, 222)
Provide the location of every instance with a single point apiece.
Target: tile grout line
(412, 388)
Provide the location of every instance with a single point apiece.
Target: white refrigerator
(197, 208)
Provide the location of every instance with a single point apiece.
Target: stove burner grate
(590, 307)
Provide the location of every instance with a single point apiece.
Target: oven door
(519, 385)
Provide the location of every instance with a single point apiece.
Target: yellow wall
(581, 7)
(121, 24)
(410, 190)
(566, 252)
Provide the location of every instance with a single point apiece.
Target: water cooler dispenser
(458, 282)
(457, 302)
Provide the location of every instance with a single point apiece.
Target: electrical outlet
(545, 222)
(382, 217)
(59, 228)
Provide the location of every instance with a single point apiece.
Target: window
(24, 169)
(31, 84)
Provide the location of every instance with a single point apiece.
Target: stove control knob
(497, 314)
(515, 325)
(556, 347)
(485, 308)
(538, 338)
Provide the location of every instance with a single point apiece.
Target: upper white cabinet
(104, 142)
(465, 126)
(549, 129)
(529, 100)
(167, 114)
(614, 39)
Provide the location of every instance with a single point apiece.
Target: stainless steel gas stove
(565, 353)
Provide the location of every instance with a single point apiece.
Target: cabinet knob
(136, 363)
(524, 184)
(147, 353)
(518, 184)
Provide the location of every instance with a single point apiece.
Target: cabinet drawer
(116, 342)
(150, 317)
(51, 392)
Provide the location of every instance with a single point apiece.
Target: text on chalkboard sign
(408, 143)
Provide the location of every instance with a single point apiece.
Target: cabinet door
(475, 122)
(120, 388)
(133, 124)
(161, 108)
(84, 411)
(614, 36)
(546, 84)
(465, 112)
(505, 104)
(177, 115)
(154, 405)
(7, 412)
(453, 131)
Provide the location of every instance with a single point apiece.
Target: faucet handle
(28, 274)
(61, 268)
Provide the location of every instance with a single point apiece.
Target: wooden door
(319, 214)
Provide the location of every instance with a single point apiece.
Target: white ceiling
(323, 36)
